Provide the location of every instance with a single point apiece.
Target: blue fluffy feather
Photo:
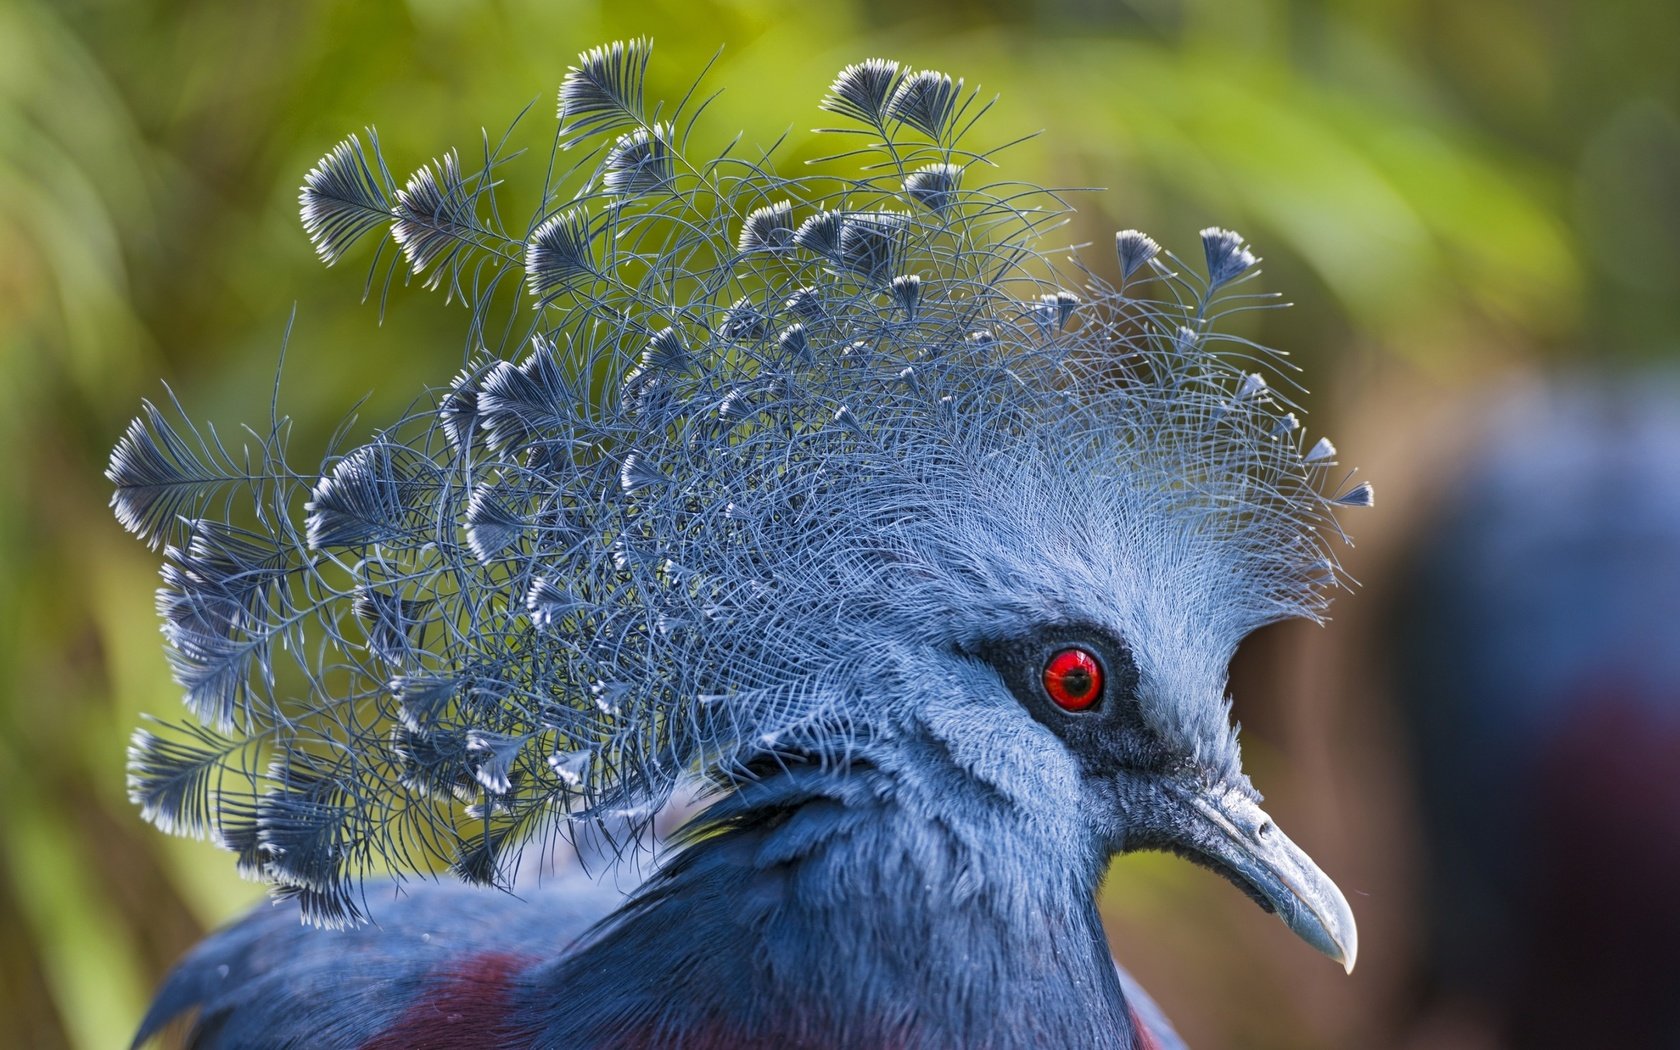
(771, 457)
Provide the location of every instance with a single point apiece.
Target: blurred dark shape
(1538, 658)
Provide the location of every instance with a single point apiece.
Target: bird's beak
(1238, 837)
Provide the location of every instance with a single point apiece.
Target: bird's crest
(734, 422)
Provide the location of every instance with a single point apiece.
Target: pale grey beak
(1239, 837)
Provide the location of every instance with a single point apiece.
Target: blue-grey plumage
(835, 912)
(821, 491)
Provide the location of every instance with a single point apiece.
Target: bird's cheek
(1125, 810)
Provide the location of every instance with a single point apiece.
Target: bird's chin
(1231, 875)
(1228, 833)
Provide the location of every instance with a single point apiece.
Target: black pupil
(1077, 681)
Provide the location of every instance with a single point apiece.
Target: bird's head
(1099, 656)
(788, 469)
(1041, 589)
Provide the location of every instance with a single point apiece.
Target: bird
(1535, 656)
(913, 555)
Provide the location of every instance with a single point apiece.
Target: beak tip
(1346, 942)
(1342, 933)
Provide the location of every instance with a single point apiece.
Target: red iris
(1073, 678)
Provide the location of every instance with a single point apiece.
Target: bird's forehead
(1093, 546)
(1096, 548)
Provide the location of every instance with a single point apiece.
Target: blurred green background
(1454, 194)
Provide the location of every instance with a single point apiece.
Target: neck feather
(821, 909)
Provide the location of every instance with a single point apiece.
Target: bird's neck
(830, 910)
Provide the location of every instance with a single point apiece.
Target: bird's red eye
(1073, 678)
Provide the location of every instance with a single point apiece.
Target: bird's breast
(470, 1003)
